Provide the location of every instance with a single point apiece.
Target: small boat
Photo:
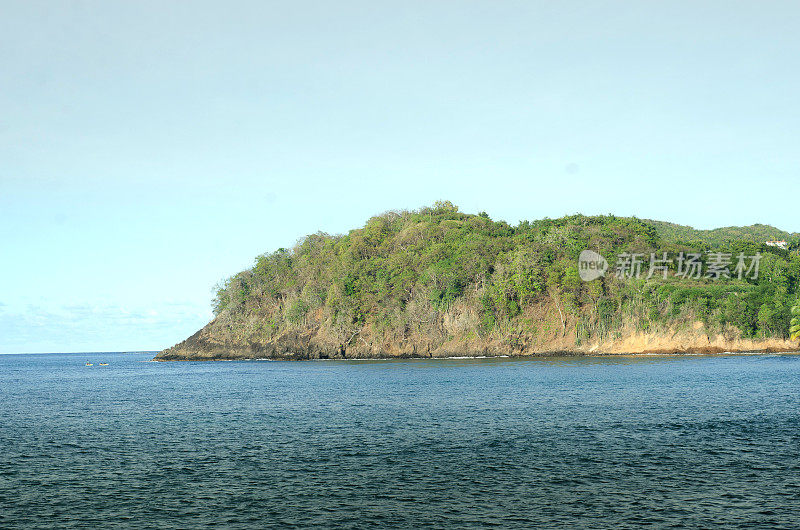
(89, 364)
(103, 364)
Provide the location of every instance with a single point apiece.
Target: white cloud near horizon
(96, 327)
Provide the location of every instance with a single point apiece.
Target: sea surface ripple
(669, 442)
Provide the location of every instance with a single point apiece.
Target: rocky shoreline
(203, 346)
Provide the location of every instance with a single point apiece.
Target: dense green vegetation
(439, 273)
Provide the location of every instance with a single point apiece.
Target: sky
(148, 150)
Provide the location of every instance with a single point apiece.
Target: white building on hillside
(780, 244)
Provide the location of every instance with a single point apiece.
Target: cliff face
(553, 336)
(204, 348)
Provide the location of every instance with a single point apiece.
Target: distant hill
(717, 237)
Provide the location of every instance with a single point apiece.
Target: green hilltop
(437, 281)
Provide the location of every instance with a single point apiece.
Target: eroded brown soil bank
(315, 344)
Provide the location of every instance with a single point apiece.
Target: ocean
(611, 442)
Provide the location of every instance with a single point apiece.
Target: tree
(794, 330)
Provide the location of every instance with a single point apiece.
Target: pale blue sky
(150, 149)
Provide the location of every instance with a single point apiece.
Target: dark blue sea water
(563, 442)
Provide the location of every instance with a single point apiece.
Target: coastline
(539, 355)
(212, 343)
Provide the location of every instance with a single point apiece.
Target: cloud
(97, 327)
